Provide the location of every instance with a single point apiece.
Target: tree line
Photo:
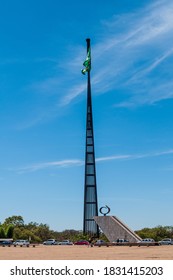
(157, 233)
(14, 227)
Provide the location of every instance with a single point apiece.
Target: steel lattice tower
(90, 187)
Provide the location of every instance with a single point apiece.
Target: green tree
(14, 220)
(156, 233)
(9, 231)
(2, 232)
(43, 232)
(32, 226)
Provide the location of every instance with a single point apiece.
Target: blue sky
(43, 109)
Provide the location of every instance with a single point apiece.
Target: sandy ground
(87, 253)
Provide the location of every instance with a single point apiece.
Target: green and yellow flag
(87, 63)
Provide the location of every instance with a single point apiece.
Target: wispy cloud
(48, 165)
(136, 50)
(140, 55)
(74, 92)
(154, 64)
(134, 56)
(135, 156)
(77, 162)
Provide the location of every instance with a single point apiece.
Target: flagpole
(88, 49)
(90, 193)
(89, 83)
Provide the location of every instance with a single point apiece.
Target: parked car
(81, 242)
(21, 242)
(65, 242)
(5, 242)
(50, 242)
(147, 240)
(122, 240)
(166, 241)
(100, 242)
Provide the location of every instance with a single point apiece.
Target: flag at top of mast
(87, 62)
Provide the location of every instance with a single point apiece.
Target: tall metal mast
(90, 188)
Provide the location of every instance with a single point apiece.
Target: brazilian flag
(87, 63)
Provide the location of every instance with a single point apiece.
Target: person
(91, 239)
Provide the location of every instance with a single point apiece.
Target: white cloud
(135, 156)
(133, 47)
(137, 52)
(74, 92)
(77, 162)
(47, 165)
(134, 55)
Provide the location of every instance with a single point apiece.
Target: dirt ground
(87, 253)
